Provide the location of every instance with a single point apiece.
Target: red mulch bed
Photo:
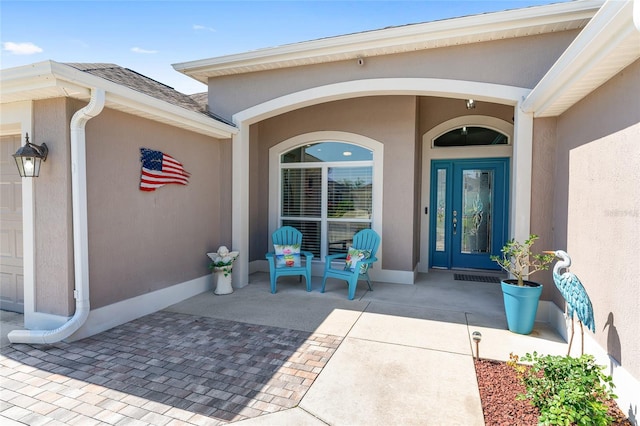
(499, 388)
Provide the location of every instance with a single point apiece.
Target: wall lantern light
(29, 157)
(471, 104)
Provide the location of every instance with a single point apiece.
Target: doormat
(479, 278)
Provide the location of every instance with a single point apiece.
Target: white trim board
(19, 116)
(119, 313)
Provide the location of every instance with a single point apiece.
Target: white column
(521, 175)
(240, 205)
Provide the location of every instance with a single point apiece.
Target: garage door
(11, 265)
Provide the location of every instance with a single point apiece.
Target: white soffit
(608, 44)
(49, 79)
(408, 38)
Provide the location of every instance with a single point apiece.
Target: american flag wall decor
(159, 169)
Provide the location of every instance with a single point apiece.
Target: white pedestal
(222, 282)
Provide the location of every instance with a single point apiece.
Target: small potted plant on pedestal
(222, 266)
(521, 296)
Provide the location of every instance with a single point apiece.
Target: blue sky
(149, 36)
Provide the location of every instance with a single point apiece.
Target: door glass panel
(441, 205)
(476, 208)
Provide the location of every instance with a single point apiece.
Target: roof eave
(464, 30)
(608, 44)
(51, 79)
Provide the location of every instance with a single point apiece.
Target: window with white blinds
(326, 193)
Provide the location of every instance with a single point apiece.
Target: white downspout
(80, 229)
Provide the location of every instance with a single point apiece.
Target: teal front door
(469, 212)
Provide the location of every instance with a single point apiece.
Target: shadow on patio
(218, 359)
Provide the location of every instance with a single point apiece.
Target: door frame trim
(519, 152)
(18, 118)
(502, 165)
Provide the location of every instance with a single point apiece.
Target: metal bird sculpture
(574, 294)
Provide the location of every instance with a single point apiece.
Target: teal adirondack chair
(288, 236)
(364, 242)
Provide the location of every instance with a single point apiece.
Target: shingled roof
(141, 83)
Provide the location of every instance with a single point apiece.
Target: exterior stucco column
(240, 204)
(520, 217)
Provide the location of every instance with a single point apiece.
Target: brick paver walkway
(162, 369)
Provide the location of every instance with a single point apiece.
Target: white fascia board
(36, 81)
(31, 71)
(609, 29)
(69, 81)
(41, 89)
(172, 114)
(152, 107)
(463, 29)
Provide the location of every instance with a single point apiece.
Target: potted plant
(521, 296)
(222, 266)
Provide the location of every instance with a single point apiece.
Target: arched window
(326, 192)
(470, 136)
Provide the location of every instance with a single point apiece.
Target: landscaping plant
(518, 260)
(568, 391)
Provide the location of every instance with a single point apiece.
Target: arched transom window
(326, 192)
(470, 136)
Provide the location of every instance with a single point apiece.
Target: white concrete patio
(407, 353)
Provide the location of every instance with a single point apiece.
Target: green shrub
(568, 391)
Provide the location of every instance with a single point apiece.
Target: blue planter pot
(521, 305)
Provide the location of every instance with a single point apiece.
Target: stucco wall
(517, 62)
(53, 229)
(390, 120)
(436, 110)
(597, 188)
(542, 198)
(145, 241)
(417, 189)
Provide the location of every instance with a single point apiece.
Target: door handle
(455, 222)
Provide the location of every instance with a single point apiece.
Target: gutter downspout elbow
(80, 229)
